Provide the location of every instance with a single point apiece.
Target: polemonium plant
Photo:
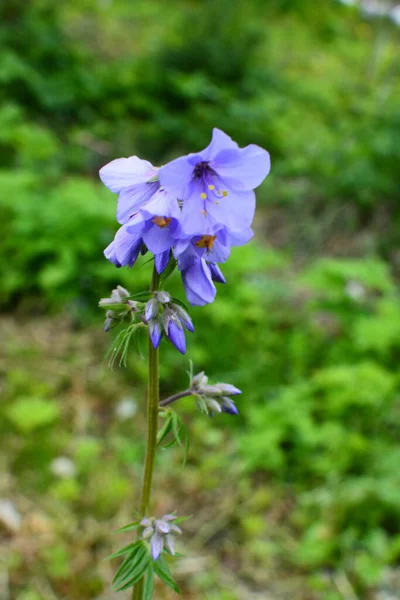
(186, 215)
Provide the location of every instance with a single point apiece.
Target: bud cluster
(119, 307)
(160, 533)
(215, 398)
(165, 317)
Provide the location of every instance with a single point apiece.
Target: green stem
(152, 428)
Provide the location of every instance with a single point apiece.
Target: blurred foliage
(304, 486)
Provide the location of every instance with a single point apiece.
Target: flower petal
(158, 239)
(220, 141)
(176, 335)
(176, 175)
(110, 254)
(170, 544)
(235, 211)
(162, 204)
(127, 246)
(216, 273)
(122, 173)
(196, 216)
(155, 333)
(198, 284)
(242, 169)
(133, 198)
(157, 544)
(161, 261)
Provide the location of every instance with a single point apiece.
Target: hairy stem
(152, 427)
(175, 397)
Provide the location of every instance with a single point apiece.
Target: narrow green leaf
(176, 427)
(141, 296)
(129, 568)
(128, 527)
(127, 563)
(170, 444)
(123, 551)
(186, 445)
(149, 583)
(164, 431)
(182, 519)
(162, 570)
(135, 574)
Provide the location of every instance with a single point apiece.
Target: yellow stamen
(203, 196)
(211, 187)
(224, 193)
(206, 241)
(161, 221)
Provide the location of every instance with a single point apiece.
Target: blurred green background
(298, 497)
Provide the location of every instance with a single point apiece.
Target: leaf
(121, 552)
(149, 583)
(141, 296)
(126, 564)
(166, 428)
(181, 520)
(176, 427)
(162, 570)
(120, 346)
(136, 572)
(133, 567)
(128, 527)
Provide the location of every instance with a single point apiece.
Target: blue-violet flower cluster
(192, 210)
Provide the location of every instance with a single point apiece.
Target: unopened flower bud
(215, 398)
(118, 306)
(199, 381)
(160, 534)
(163, 297)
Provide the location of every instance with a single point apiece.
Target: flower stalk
(153, 399)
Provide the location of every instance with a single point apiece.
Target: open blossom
(216, 185)
(151, 227)
(192, 210)
(134, 179)
(214, 246)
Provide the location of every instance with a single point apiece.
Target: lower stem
(152, 428)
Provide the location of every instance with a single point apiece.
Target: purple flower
(124, 249)
(197, 280)
(216, 185)
(215, 245)
(157, 222)
(153, 226)
(135, 181)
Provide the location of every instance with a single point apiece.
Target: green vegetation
(305, 483)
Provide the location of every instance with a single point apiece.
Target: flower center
(202, 168)
(206, 241)
(161, 221)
